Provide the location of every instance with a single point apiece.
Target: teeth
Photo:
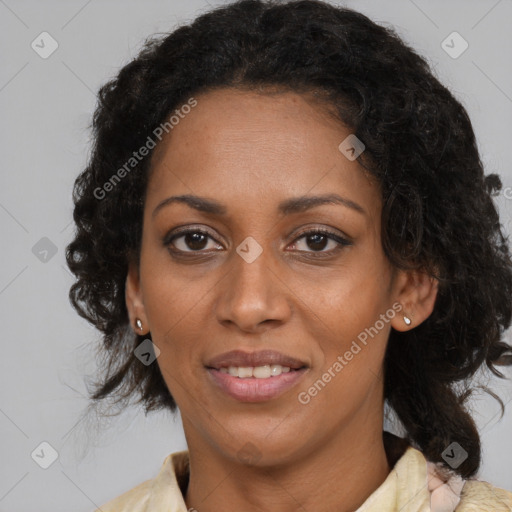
(261, 372)
(244, 371)
(258, 372)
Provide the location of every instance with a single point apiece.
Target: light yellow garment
(406, 489)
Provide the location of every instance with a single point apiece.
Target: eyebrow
(286, 207)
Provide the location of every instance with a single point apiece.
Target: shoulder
(162, 493)
(481, 496)
(449, 492)
(134, 500)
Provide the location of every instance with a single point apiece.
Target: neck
(339, 476)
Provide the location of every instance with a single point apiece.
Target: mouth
(258, 372)
(255, 376)
(261, 358)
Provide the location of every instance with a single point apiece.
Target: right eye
(188, 240)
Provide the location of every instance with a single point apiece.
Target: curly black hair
(438, 211)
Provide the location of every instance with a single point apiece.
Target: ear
(416, 292)
(134, 301)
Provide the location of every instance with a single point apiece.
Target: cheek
(346, 391)
(350, 367)
(356, 312)
(358, 340)
(181, 341)
(170, 298)
(172, 309)
(354, 299)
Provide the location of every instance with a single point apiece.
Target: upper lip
(260, 358)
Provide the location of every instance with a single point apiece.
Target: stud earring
(138, 323)
(407, 320)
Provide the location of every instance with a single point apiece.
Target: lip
(252, 389)
(259, 358)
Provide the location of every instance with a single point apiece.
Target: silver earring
(407, 320)
(138, 323)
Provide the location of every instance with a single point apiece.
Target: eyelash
(342, 242)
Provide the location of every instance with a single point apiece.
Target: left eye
(318, 240)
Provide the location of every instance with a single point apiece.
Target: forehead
(233, 121)
(246, 145)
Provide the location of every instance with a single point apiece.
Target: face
(249, 269)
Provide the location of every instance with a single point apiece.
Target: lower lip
(256, 390)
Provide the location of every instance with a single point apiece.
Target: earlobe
(134, 301)
(417, 293)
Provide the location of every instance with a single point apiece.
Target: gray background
(47, 349)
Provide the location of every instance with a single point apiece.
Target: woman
(284, 226)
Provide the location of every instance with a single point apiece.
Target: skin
(249, 152)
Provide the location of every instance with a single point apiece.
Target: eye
(318, 239)
(196, 240)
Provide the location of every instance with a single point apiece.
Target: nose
(253, 295)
